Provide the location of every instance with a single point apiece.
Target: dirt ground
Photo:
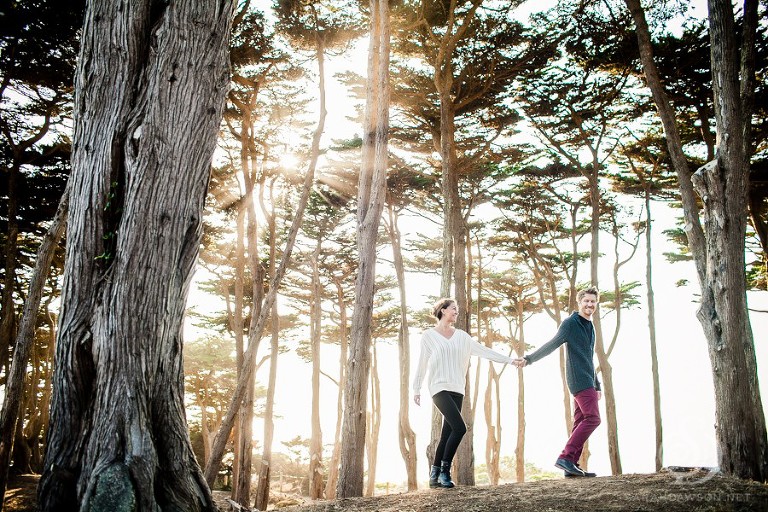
(668, 492)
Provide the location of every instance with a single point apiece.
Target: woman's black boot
(434, 473)
(445, 475)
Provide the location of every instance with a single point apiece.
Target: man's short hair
(591, 290)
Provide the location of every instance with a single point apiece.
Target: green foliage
(678, 236)
(333, 23)
(624, 299)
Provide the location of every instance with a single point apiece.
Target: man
(578, 333)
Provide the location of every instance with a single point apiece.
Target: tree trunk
(605, 368)
(374, 424)
(723, 186)
(370, 200)
(718, 247)
(333, 465)
(7, 306)
(150, 89)
(519, 347)
(493, 437)
(246, 233)
(315, 330)
(14, 390)
(651, 302)
(261, 502)
(520, 441)
(44, 405)
(406, 435)
(259, 319)
(456, 231)
(606, 374)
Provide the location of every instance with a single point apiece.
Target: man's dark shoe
(569, 467)
(586, 473)
(434, 473)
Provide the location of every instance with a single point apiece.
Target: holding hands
(520, 362)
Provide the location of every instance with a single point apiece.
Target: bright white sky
(686, 383)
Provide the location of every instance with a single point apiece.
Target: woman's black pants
(454, 428)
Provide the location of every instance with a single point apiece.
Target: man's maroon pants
(586, 418)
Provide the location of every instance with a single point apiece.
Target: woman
(445, 352)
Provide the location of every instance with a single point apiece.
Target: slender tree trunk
(205, 429)
(651, 302)
(265, 471)
(374, 423)
(371, 197)
(14, 390)
(456, 230)
(7, 306)
(316, 441)
(493, 438)
(546, 281)
(605, 367)
(246, 223)
(406, 435)
(260, 317)
(261, 501)
(718, 246)
(44, 405)
(519, 345)
(150, 87)
(520, 441)
(333, 465)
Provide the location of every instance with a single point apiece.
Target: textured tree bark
(370, 202)
(150, 86)
(718, 245)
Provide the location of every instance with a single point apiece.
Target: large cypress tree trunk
(718, 246)
(723, 186)
(150, 86)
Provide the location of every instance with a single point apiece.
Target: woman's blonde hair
(440, 305)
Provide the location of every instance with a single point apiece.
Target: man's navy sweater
(578, 334)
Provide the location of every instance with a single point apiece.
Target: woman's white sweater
(447, 360)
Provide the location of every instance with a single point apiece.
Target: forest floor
(666, 491)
